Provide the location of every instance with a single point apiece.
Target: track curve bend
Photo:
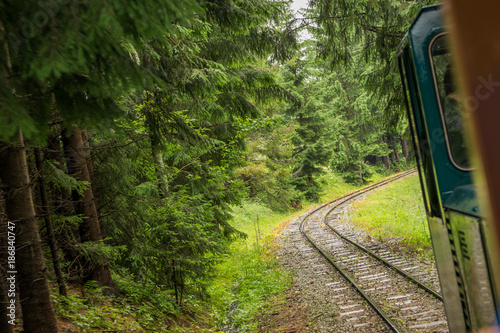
(388, 292)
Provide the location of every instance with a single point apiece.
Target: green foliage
(62, 181)
(98, 252)
(267, 171)
(360, 128)
(261, 278)
(151, 304)
(76, 55)
(170, 240)
(96, 312)
(313, 137)
(377, 27)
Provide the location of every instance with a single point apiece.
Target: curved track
(388, 283)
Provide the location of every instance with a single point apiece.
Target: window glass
(451, 106)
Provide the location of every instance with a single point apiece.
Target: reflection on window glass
(451, 104)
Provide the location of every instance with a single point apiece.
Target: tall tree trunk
(36, 305)
(4, 300)
(90, 230)
(404, 147)
(48, 223)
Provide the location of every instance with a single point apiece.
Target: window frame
(440, 107)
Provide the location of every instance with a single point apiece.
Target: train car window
(449, 101)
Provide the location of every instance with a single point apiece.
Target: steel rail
(392, 325)
(406, 275)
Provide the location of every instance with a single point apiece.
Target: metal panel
(447, 275)
(470, 250)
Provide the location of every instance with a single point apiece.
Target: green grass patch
(244, 282)
(396, 211)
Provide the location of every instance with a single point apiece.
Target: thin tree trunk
(90, 230)
(4, 301)
(385, 159)
(360, 174)
(36, 305)
(48, 223)
(161, 171)
(311, 182)
(87, 152)
(404, 147)
(396, 154)
(174, 280)
(55, 153)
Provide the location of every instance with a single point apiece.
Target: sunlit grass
(395, 211)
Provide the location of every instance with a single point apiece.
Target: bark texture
(90, 229)
(404, 147)
(31, 277)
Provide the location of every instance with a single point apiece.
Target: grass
(251, 273)
(396, 211)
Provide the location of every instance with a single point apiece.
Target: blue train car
(460, 234)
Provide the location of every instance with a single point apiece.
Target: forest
(131, 130)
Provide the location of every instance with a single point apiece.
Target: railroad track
(394, 294)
